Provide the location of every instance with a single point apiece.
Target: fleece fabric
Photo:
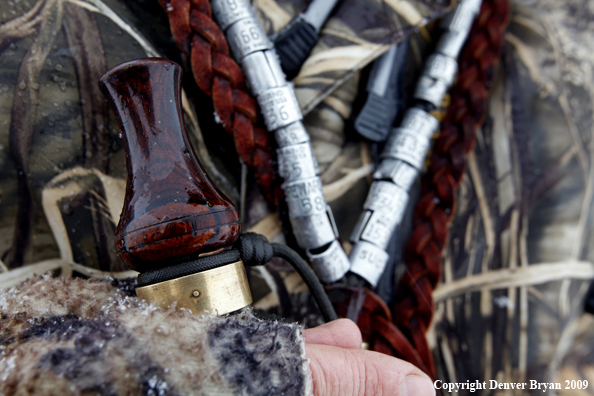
(68, 336)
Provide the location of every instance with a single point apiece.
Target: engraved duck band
(407, 146)
(310, 216)
(247, 36)
(227, 12)
(294, 133)
(398, 172)
(404, 154)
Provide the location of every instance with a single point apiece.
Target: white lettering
(533, 384)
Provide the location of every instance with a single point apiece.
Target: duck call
(176, 228)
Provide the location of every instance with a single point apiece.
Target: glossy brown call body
(172, 210)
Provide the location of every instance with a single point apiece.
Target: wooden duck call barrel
(172, 210)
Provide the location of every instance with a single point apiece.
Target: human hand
(340, 367)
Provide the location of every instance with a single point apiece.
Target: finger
(342, 333)
(339, 371)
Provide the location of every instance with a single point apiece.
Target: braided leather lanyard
(217, 74)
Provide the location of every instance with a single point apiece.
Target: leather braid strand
(218, 75)
(414, 308)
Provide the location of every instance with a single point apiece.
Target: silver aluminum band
(313, 231)
(305, 197)
(461, 17)
(368, 261)
(279, 107)
(330, 265)
(473, 5)
(430, 90)
(398, 171)
(386, 196)
(441, 67)
(423, 123)
(294, 133)
(406, 145)
(296, 162)
(361, 222)
(262, 71)
(275, 66)
(316, 163)
(450, 43)
(246, 36)
(227, 12)
(381, 226)
(386, 204)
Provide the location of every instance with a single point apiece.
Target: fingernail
(415, 385)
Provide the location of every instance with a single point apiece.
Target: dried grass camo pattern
(62, 172)
(518, 260)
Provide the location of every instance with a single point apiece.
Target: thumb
(339, 371)
(342, 333)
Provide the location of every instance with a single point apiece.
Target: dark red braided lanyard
(413, 309)
(219, 76)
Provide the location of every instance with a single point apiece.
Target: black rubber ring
(188, 268)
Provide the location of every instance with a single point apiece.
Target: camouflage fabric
(519, 259)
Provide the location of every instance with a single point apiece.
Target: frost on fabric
(72, 336)
(260, 357)
(68, 336)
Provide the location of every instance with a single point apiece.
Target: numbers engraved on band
(388, 211)
(423, 123)
(227, 12)
(296, 162)
(385, 196)
(305, 197)
(379, 229)
(246, 36)
(369, 261)
(294, 133)
(409, 147)
(280, 107)
(441, 67)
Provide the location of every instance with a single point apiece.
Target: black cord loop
(256, 250)
(253, 249)
(309, 277)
